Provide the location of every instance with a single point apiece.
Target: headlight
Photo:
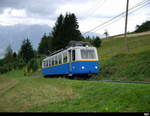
(96, 67)
(82, 67)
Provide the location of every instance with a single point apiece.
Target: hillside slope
(134, 34)
(119, 64)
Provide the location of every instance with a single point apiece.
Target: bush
(97, 42)
(2, 62)
(4, 69)
(32, 66)
(20, 64)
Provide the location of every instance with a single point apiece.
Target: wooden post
(126, 22)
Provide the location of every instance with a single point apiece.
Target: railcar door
(70, 62)
(71, 59)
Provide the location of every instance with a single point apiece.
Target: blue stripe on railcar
(78, 67)
(56, 70)
(85, 67)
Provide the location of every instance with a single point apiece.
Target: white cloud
(18, 13)
(13, 17)
(90, 13)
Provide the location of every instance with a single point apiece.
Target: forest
(66, 29)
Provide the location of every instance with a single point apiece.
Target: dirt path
(135, 34)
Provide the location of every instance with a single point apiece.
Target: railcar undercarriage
(74, 77)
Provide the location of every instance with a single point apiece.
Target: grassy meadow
(19, 93)
(24, 94)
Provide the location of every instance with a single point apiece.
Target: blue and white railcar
(78, 60)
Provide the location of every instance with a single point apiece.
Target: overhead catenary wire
(98, 5)
(116, 17)
(120, 15)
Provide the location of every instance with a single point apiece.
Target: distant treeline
(143, 27)
(64, 30)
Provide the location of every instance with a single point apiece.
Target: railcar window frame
(70, 55)
(56, 60)
(60, 59)
(73, 55)
(65, 57)
(49, 62)
(43, 64)
(53, 62)
(88, 54)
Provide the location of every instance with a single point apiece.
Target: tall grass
(113, 46)
(118, 64)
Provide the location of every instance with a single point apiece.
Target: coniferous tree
(75, 34)
(45, 46)
(143, 27)
(8, 55)
(65, 30)
(57, 41)
(97, 42)
(15, 56)
(9, 62)
(26, 51)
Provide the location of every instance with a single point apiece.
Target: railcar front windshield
(88, 54)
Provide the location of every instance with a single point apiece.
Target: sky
(90, 13)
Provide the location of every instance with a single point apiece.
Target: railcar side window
(65, 57)
(43, 64)
(56, 61)
(73, 55)
(69, 55)
(52, 61)
(88, 54)
(60, 59)
(49, 62)
(46, 63)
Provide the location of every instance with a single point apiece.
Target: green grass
(20, 93)
(127, 67)
(118, 64)
(62, 95)
(114, 46)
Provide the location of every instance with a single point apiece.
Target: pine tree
(76, 34)
(45, 46)
(57, 41)
(9, 55)
(65, 30)
(97, 42)
(26, 51)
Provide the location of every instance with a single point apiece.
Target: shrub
(32, 65)
(4, 69)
